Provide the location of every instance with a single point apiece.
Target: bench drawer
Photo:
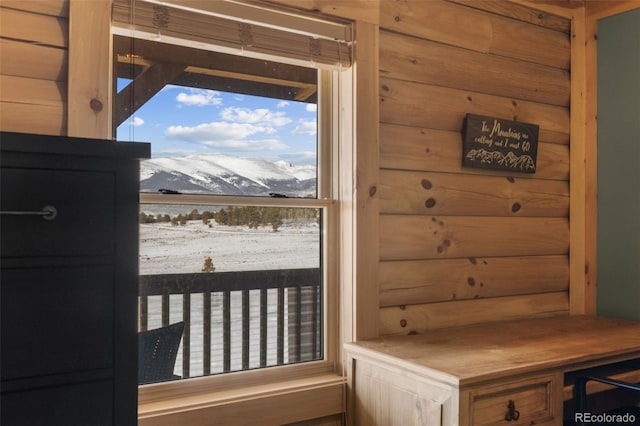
(527, 401)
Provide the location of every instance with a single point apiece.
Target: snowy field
(169, 249)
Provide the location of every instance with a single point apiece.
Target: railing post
(144, 313)
(245, 329)
(280, 326)
(263, 327)
(186, 337)
(226, 331)
(165, 309)
(315, 323)
(206, 333)
(295, 324)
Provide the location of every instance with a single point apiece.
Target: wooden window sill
(277, 403)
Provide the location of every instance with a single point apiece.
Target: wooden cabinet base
(506, 373)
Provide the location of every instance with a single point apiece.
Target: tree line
(251, 216)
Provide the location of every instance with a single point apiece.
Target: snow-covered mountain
(224, 174)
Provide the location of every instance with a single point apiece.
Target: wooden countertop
(472, 354)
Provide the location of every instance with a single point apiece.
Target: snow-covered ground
(174, 249)
(169, 249)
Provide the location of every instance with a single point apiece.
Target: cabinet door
(385, 395)
(56, 320)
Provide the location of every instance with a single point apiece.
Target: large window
(237, 212)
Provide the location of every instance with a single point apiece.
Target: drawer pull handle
(47, 213)
(512, 414)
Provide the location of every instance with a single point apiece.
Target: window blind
(328, 45)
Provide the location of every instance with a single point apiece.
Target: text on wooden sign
(493, 143)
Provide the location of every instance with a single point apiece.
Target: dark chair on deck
(616, 415)
(157, 351)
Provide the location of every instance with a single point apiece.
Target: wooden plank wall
(33, 66)
(461, 245)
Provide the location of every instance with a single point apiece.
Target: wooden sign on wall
(493, 143)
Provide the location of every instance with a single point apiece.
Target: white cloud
(283, 104)
(134, 122)
(215, 130)
(305, 127)
(255, 116)
(226, 135)
(312, 107)
(199, 97)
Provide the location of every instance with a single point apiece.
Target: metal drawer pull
(512, 414)
(47, 213)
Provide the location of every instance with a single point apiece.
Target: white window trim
(228, 387)
(317, 386)
(328, 182)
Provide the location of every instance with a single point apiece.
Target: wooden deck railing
(293, 320)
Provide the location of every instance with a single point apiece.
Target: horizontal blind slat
(200, 27)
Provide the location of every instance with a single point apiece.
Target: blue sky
(180, 121)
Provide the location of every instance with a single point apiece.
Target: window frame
(327, 200)
(328, 187)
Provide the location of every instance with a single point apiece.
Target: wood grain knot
(471, 281)
(515, 207)
(96, 105)
(426, 184)
(372, 191)
(430, 203)
(403, 323)
(396, 18)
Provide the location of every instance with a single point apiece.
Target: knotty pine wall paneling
(33, 66)
(460, 245)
